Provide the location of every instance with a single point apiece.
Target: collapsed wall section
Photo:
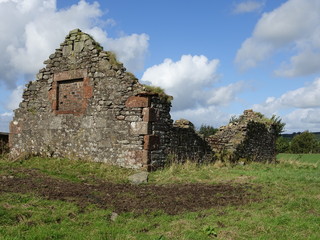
(187, 145)
(166, 142)
(174, 142)
(248, 138)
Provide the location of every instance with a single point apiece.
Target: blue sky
(217, 58)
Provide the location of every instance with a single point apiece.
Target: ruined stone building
(83, 104)
(251, 137)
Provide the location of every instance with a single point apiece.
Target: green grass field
(289, 205)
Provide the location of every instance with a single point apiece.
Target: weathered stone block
(139, 178)
(149, 115)
(87, 122)
(101, 122)
(15, 127)
(136, 101)
(151, 142)
(67, 50)
(133, 118)
(71, 74)
(55, 123)
(78, 46)
(140, 128)
(146, 157)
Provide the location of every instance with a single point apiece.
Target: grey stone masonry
(83, 104)
(248, 138)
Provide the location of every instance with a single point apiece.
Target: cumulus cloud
(32, 29)
(271, 106)
(305, 101)
(39, 27)
(5, 119)
(15, 98)
(186, 80)
(294, 26)
(248, 6)
(12, 103)
(222, 96)
(192, 81)
(305, 97)
(302, 119)
(305, 62)
(130, 50)
(210, 115)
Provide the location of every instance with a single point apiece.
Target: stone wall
(83, 104)
(186, 145)
(248, 138)
(175, 142)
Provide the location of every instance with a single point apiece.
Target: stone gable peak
(77, 41)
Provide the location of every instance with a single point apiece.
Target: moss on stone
(161, 93)
(32, 111)
(132, 76)
(113, 59)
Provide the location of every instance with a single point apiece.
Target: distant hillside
(291, 135)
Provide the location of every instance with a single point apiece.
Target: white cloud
(222, 96)
(294, 26)
(192, 83)
(187, 80)
(130, 49)
(12, 103)
(5, 119)
(39, 27)
(248, 6)
(302, 119)
(305, 97)
(271, 106)
(37, 30)
(302, 64)
(306, 104)
(211, 115)
(15, 98)
(32, 29)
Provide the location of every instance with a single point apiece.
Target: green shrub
(277, 125)
(282, 145)
(207, 130)
(305, 142)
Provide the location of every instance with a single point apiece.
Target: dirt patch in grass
(171, 199)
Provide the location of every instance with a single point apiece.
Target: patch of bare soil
(171, 199)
